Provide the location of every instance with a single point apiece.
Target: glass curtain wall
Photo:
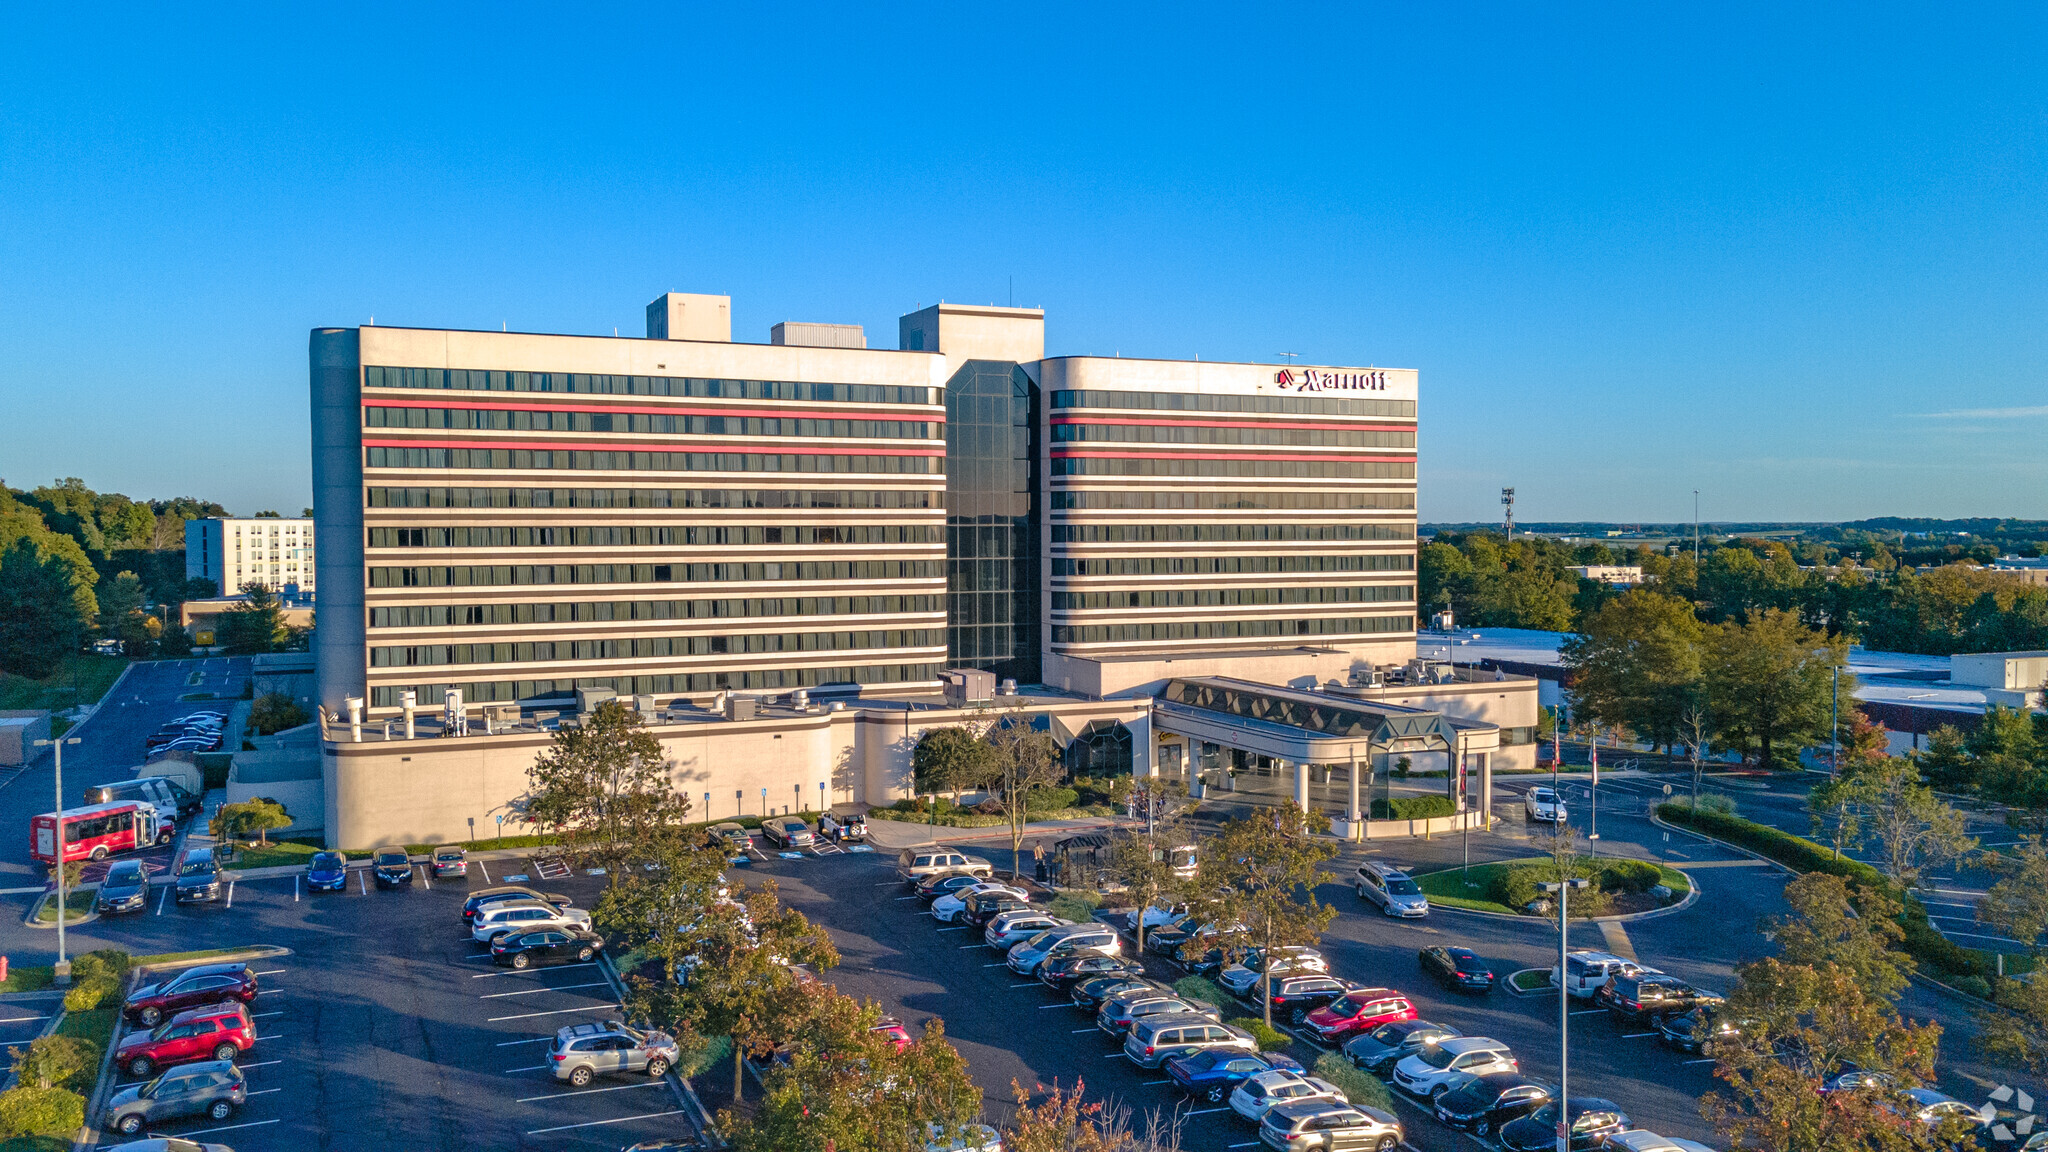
(992, 520)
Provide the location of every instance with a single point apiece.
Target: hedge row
(1935, 952)
(1413, 808)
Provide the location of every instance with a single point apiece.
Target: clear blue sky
(1792, 255)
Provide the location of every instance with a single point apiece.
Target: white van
(1587, 971)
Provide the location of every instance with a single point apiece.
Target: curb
(1692, 894)
(1508, 983)
(693, 1108)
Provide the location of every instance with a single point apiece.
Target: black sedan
(1063, 972)
(1294, 997)
(1593, 1120)
(981, 907)
(391, 868)
(1090, 993)
(1487, 1102)
(125, 889)
(944, 883)
(1693, 1031)
(1459, 968)
(547, 946)
(1378, 1050)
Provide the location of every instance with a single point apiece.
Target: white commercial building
(273, 551)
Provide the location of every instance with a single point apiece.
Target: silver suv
(1324, 1125)
(1153, 1040)
(213, 1089)
(495, 920)
(1026, 955)
(582, 1051)
(915, 864)
(1393, 890)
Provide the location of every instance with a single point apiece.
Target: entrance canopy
(1313, 727)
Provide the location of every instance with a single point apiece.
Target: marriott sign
(1317, 380)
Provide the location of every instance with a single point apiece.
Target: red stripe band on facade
(1112, 455)
(938, 417)
(1236, 424)
(617, 446)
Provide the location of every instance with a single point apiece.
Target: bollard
(3, 969)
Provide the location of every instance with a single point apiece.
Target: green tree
(2017, 903)
(1769, 682)
(951, 759)
(1836, 807)
(55, 1061)
(254, 626)
(273, 712)
(604, 787)
(1913, 828)
(1946, 761)
(41, 617)
(1635, 663)
(1259, 875)
(1138, 861)
(255, 816)
(655, 908)
(1853, 928)
(740, 983)
(1026, 759)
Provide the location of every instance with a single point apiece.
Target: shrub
(102, 964)
(1076, 906)
(40, 1112)
(1516, 886)
(1974, 985)
(1413, 808)
(1200, 989)
(1359, 1087)
(1050, 799)
(1269, 1038)
(275, 712)
(87, 994)
(1636, 876)
(55, 1061)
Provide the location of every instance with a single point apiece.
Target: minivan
(1153, 1040)
(917, 863)
(1587, 971)
(1393, 890)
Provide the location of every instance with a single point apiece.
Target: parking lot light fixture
(1563, 890)
(63, 969)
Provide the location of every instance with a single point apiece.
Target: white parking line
(997, 964)
(535, 991)
(1032, 984)
(484, 870)
(261, 1091)
(517, 972)
(269, 991)
(269, 972)
(160, 900)
(555, 1012)
(424, 878)
(965, 947)
(262, 1063)
(208, 1131)
(295, 889)
(1077, 1031)
(231, 894)
(1117, 1053)
(270, 1037)
(362, 885)
(1637, 1035)
(22, 1019)
(962, 928)
(1201, 1111)
(261, 1015)
(1043, 1007)
(588, 1091)
(1588, 1011)
(1708, 1060)
(528, 1068)
(601, 1123)
(535, 1040)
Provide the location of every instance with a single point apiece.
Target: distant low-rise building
(2014, 679)
(1612, 575)
(201, 618)
(274, 551)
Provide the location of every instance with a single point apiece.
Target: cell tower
(1507, 503)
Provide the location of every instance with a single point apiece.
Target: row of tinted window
(600, 384)
(1295, 469)
(648, 647)
(492, 575)
(1223, 533)
(93, 827)
(453, 615)
(1194, 434)
(1329, 718)
(1211, 500)
(1227, 629)
(1194, 402)
(650, 535)
(1230, 597)
(487, 691)
(644, 461)
(650, 498)
(661, 424)
(1226, 565)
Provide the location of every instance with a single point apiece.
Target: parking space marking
(516, 972)
(261, 1015)
(1637, 1035)
(295, 889)
(160, 900)
(528, 1068)
(588, 1091)
(262, 1063)
(1033, 984)
(534, 991)
(231, 894)
(261, 1091)
(1709, 1060)
(555, 1012)
(1201, 1111)
(208, 1131)
(1043, 1007)
(965, 947)
(484, 870)
(362, 885)
(269, 972)
(424, 878)
(270, 1037)
(1076, 1031)
(535, 1040)
(601, 1123)
(1588, 1011)
(22, 1019)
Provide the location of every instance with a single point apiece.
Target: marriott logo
(1317, 380)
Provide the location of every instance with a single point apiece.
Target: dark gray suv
(213, 1089)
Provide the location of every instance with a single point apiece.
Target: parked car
(1258, 1094)
(1357, 1012)
(1586, 971)
(733, 836)
(124, 889)
(1932, 1107)
(173, 802)
(1639, 1140)
(892, 1028)
(198, 877)
(1592, 1121)
(1378, 1050)
(1173, 939)
(213, 1089)
(1212, 1074)
(1156, 917)
(945, 884)
(1459, 968)
(845, 829)
(1019, 924)
(510, 916)
(914, 864)
(1119, 1014)
(978, 908)
(391, 867)
(168, 1144)
(1026, 955)
(1156, 1038)
(547, 946)
(582, 1051)
(1063, 972)
(1445, 1064)
(1294, 997)
(216, 1032)
(1649, 995)
(1487, 1101)
(1090, 993)
(1542, 805)
(1392, 890)
(1856, 1078)
(450, 862)
(478, 900)
(327, 872)
(1242, 978)
(952, 907)
(1320, 1124)
(1696, 1031)
(200, 984)
(788, 831)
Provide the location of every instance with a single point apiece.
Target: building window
(991, 520)
(1103, 748)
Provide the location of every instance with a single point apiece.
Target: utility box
(587, 699)
(738, 707)
(966, 686)
(19, 731)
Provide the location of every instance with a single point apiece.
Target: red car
(201, 984)
(217, 1032)
(1357, 1011)
(893, 1030)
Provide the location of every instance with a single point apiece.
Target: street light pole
(1563, 889)
(1835, 719)
(57, 838)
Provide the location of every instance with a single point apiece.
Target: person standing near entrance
(1038, 859)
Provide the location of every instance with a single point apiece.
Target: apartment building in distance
(795, 556)
(276, 552)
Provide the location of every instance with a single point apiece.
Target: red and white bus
(94, 832)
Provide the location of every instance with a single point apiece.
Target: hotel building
(276, 552)
(683, 520)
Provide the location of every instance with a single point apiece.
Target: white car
(496, 920)
(1157, 917)
(1011, 927)
(1542, 805)
(1451, 1063)
(1258, 1094)
(973, 1138)
(947, 908)
(1587, 971)
(1239, 979)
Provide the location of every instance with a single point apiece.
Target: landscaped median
(1503, 887)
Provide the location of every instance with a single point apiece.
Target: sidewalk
(892, 835)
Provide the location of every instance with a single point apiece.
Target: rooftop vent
(802, 334)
